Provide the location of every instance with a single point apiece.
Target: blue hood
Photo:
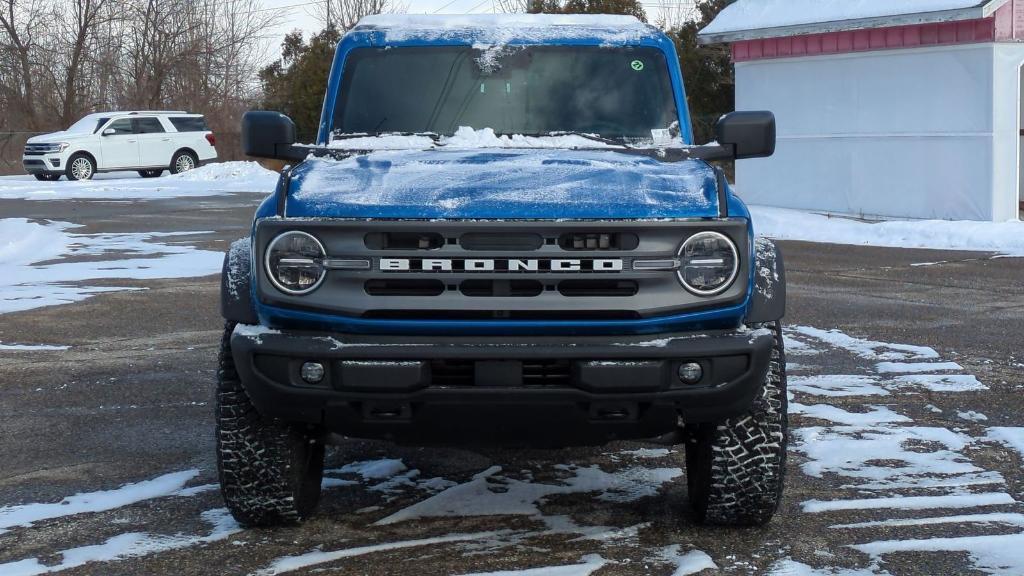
(536, 184)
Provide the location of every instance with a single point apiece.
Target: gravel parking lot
(905, 454)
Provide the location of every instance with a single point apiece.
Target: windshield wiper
(353, 135)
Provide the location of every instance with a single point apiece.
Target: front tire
(80, 167)
(270, 472)
(183, 161)
(736, 469)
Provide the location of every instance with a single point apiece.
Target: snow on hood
(464, 138)
(500, 184)
(491, 29)
(57, 137)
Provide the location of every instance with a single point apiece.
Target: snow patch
(1001, 554)
(124, 546)
(786, 224)
(915, 367)
(837, 385)
(490, 493)
(869, 349)
(27, 514)
(31, 347)
(589, 564)
(910, 502)
(687, 563)
(291, 563)
(37, 272)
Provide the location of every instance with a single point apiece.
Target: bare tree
(21, 23)
(344, 14)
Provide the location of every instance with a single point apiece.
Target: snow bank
(786, 224)
(760, 14)
(210, 180)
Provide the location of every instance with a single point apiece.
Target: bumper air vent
(501, 288)
(582, 288)
(452, 372)
(547, 372)
(403, 241)
(598, 241)
(404, 287)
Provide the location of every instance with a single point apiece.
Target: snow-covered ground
(47, 263)
(209, 180)
(786, 224)
(895, 485)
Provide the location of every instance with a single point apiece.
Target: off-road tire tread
(736, 469)
(262, 480)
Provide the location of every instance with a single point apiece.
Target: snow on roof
(502, 28)
(752, 19)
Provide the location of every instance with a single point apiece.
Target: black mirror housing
(748, 134)
(269, 135)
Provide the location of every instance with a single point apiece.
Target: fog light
(312, 372)
(690, 372)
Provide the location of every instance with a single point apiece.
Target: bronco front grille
(514, 270)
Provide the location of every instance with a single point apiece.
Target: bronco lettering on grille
(500, 265)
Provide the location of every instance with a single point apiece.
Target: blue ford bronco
(505, 235)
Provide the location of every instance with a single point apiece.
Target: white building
(892, 108)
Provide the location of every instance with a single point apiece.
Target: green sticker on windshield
(637, 65)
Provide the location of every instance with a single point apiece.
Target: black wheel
(183, 161)
(735, 470)
(47, 177)
(80, 167)
(150, 173)
(270, 472)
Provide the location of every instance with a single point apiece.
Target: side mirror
(747, 134)
(269, 135)
(109, 132)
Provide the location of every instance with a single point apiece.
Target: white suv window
(148, 126)
(121, 126)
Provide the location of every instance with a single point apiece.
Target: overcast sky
(299, 14)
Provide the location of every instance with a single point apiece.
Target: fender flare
(768, 302)
(236, 282)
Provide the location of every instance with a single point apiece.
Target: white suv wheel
(183, 163)
(81, 168)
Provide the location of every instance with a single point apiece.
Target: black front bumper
(531, 391)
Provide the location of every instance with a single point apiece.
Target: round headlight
(295, 262)
(708, 263)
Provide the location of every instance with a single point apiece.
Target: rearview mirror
(109, 132)
(269, 135)
(747, 134)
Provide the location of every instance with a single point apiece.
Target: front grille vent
(404, 287)
(501, 288)
(501, 242)
(403, 241)
(607, 288)
(598, 241)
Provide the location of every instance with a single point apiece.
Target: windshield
(89, 124)
(623, 93)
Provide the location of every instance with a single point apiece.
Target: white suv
(146, 141)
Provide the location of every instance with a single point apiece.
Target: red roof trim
(939, 34)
